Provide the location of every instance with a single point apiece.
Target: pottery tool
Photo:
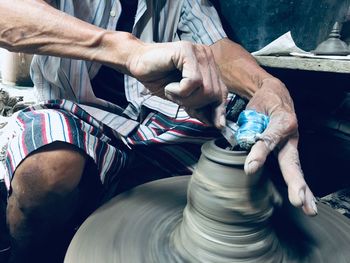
(250, 125)
(229, 132)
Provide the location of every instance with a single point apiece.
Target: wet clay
(218, 214)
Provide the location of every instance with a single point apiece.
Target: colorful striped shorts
(174, 146)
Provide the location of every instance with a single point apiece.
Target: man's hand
(200, 91)
(267, 95)
(184, 73)
(281, 136)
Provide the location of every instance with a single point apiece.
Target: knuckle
(291, 124)
(294, 123)
(182, 93)
(270, 141)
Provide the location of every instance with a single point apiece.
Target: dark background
(255, 23)
(322, 104)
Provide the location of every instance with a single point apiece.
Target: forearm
(36, 27)
(238, 68)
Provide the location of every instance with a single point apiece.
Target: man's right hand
(199, 90)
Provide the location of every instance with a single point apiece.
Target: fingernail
(302, 196)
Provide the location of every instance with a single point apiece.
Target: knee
(55, 170)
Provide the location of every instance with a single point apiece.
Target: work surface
(309, 64)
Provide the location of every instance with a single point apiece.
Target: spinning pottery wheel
(219, 214)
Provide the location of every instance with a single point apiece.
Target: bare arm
(240, 71)
(33, 26)
(268, 95)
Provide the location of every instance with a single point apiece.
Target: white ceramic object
(15, 68)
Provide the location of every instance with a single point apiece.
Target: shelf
(309, 64)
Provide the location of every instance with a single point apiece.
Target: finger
(173, 91)
(204, 114)
(280, 127)
(202, 94)
(209, 92)
(200, 97)
(157, 88)
(191, 90)
(219, 109)
(182, 89)
(219, 118)
(211, 114)
(201, 114)
(310, 208)
(299, 192)
(258, 154)
(288, 159)
(197, 99)
(191, 69)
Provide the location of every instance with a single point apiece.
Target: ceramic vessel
(15, 68)
(333, 45)
(227, 214)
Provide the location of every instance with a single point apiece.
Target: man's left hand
(281, 136)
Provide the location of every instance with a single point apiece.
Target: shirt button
(112, 13)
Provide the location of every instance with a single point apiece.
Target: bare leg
(44, 197)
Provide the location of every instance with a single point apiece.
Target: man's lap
(37, 128)
(172, 147)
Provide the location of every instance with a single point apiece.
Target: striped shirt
(155, 21)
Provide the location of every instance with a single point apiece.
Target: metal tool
(246, 131)
(229, 133)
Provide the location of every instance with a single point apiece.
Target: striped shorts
(173, 147)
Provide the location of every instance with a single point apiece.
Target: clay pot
(333, 45)
(15, 68)
(226, 211)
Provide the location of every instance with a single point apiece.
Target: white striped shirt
(155, 21)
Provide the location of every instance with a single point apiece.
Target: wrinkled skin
(281, 136)
(184, 73)
(202, 92)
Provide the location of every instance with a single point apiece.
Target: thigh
(37, 128)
